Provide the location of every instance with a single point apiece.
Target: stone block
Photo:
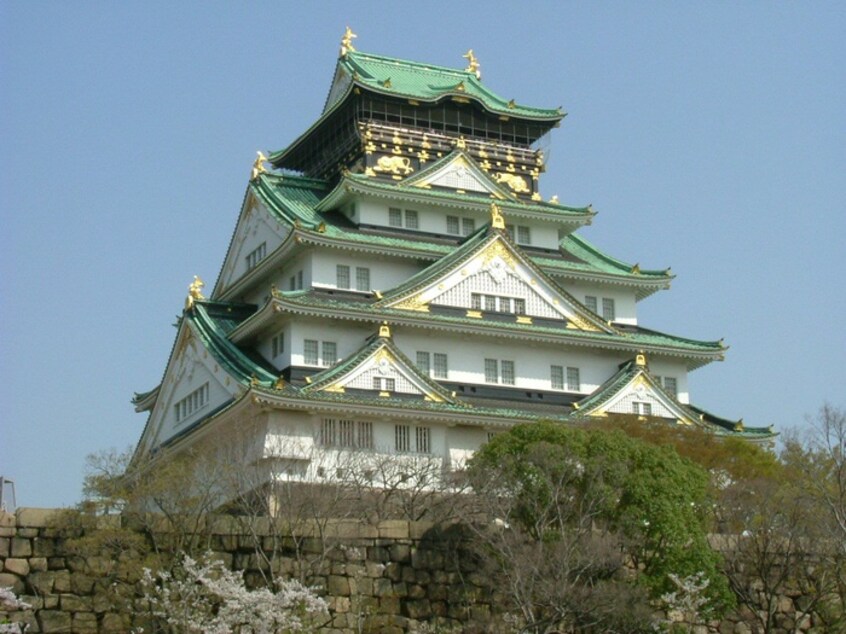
(341, 604)
(401, 589)
(9, 580)
(364, 586)
(113, 623)
(436, 592)
(378, 553)
(8, 531)
(38, 564)
(416, 530)
(400, 553)
(373, 569)
(389, 605)
(416, 591)
(51, 601)
(74, 603)
(62, 581)
(393, 571)
(55, 563)
(5, 546)
(35, 517)
(7, 520)
(338, 586)
(393, 529)
(419, 609)
(18, 567)
(43, 547)
(25, 620)
(382, 587)
(84, 623)
(42, 582)
(54, 621)
(21, 547)
(28, 533)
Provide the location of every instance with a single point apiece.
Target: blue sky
(709, 136)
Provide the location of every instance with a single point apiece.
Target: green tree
(598, 492)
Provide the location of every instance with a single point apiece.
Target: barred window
(256, 255)
(641, 408)
(395, 217)
(468, 226)
(365, 435)
(556, 377)
(402, 438)
(346, 433)
(411, 219)
(523, 235)
(476, 301)
(192, 403)
(491, 371)
(671, 385)
(423, 362)
(519, 307)
(574, 383)
(441, 367)
(310, 352)
(362, 278)
(452, 225)
(590, 303)
(299, 280)
(342, 275)
(384, 384)
(423, 436)
(328, 432)
(490, 303)
(330, 353)
(608, 312)
(278, 344)
(507, 368)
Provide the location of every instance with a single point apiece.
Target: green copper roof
(427, 82)
(594, 258)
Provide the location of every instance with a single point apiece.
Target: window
(299, 280)
(671, 385)
(277, 345)
(423, 362)
(423, 437)
(310, 352)
(590, 303)
(491, 371)
(441, 367)
(520, 233)
(192, 403)
(507, 369)
(608, 312)
(256, 255)
(499, 371)
(556, 377)
(574, 383)
(346, 433)
(342, 276)
(384, 384)
(292, 285)
(402, 438)
(330, 353)
(362, 278)
(498, 304)
(460, 226)
(395, 217)
(642, 409)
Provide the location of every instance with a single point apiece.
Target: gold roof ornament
(472, 64)
(640, 359)
(497, 219)
(194, 292)
(280, 383)
(636, 269)
(385, 330)
(512, 104)
(554, 199)
(346, 42)
(258, 166)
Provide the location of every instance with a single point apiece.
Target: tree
(565, 506)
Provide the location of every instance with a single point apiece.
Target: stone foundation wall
(393, 577)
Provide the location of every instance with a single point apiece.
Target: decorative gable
(460, 172)
(635, 391)
(495, 278)
(382, 367)
(257, 235)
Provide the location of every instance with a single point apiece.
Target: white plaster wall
(432, 219)
(676, 370)
(257, 226)
(385, 273)
(265, 348)
(466, 359)
(624, 298)
(348, 337)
